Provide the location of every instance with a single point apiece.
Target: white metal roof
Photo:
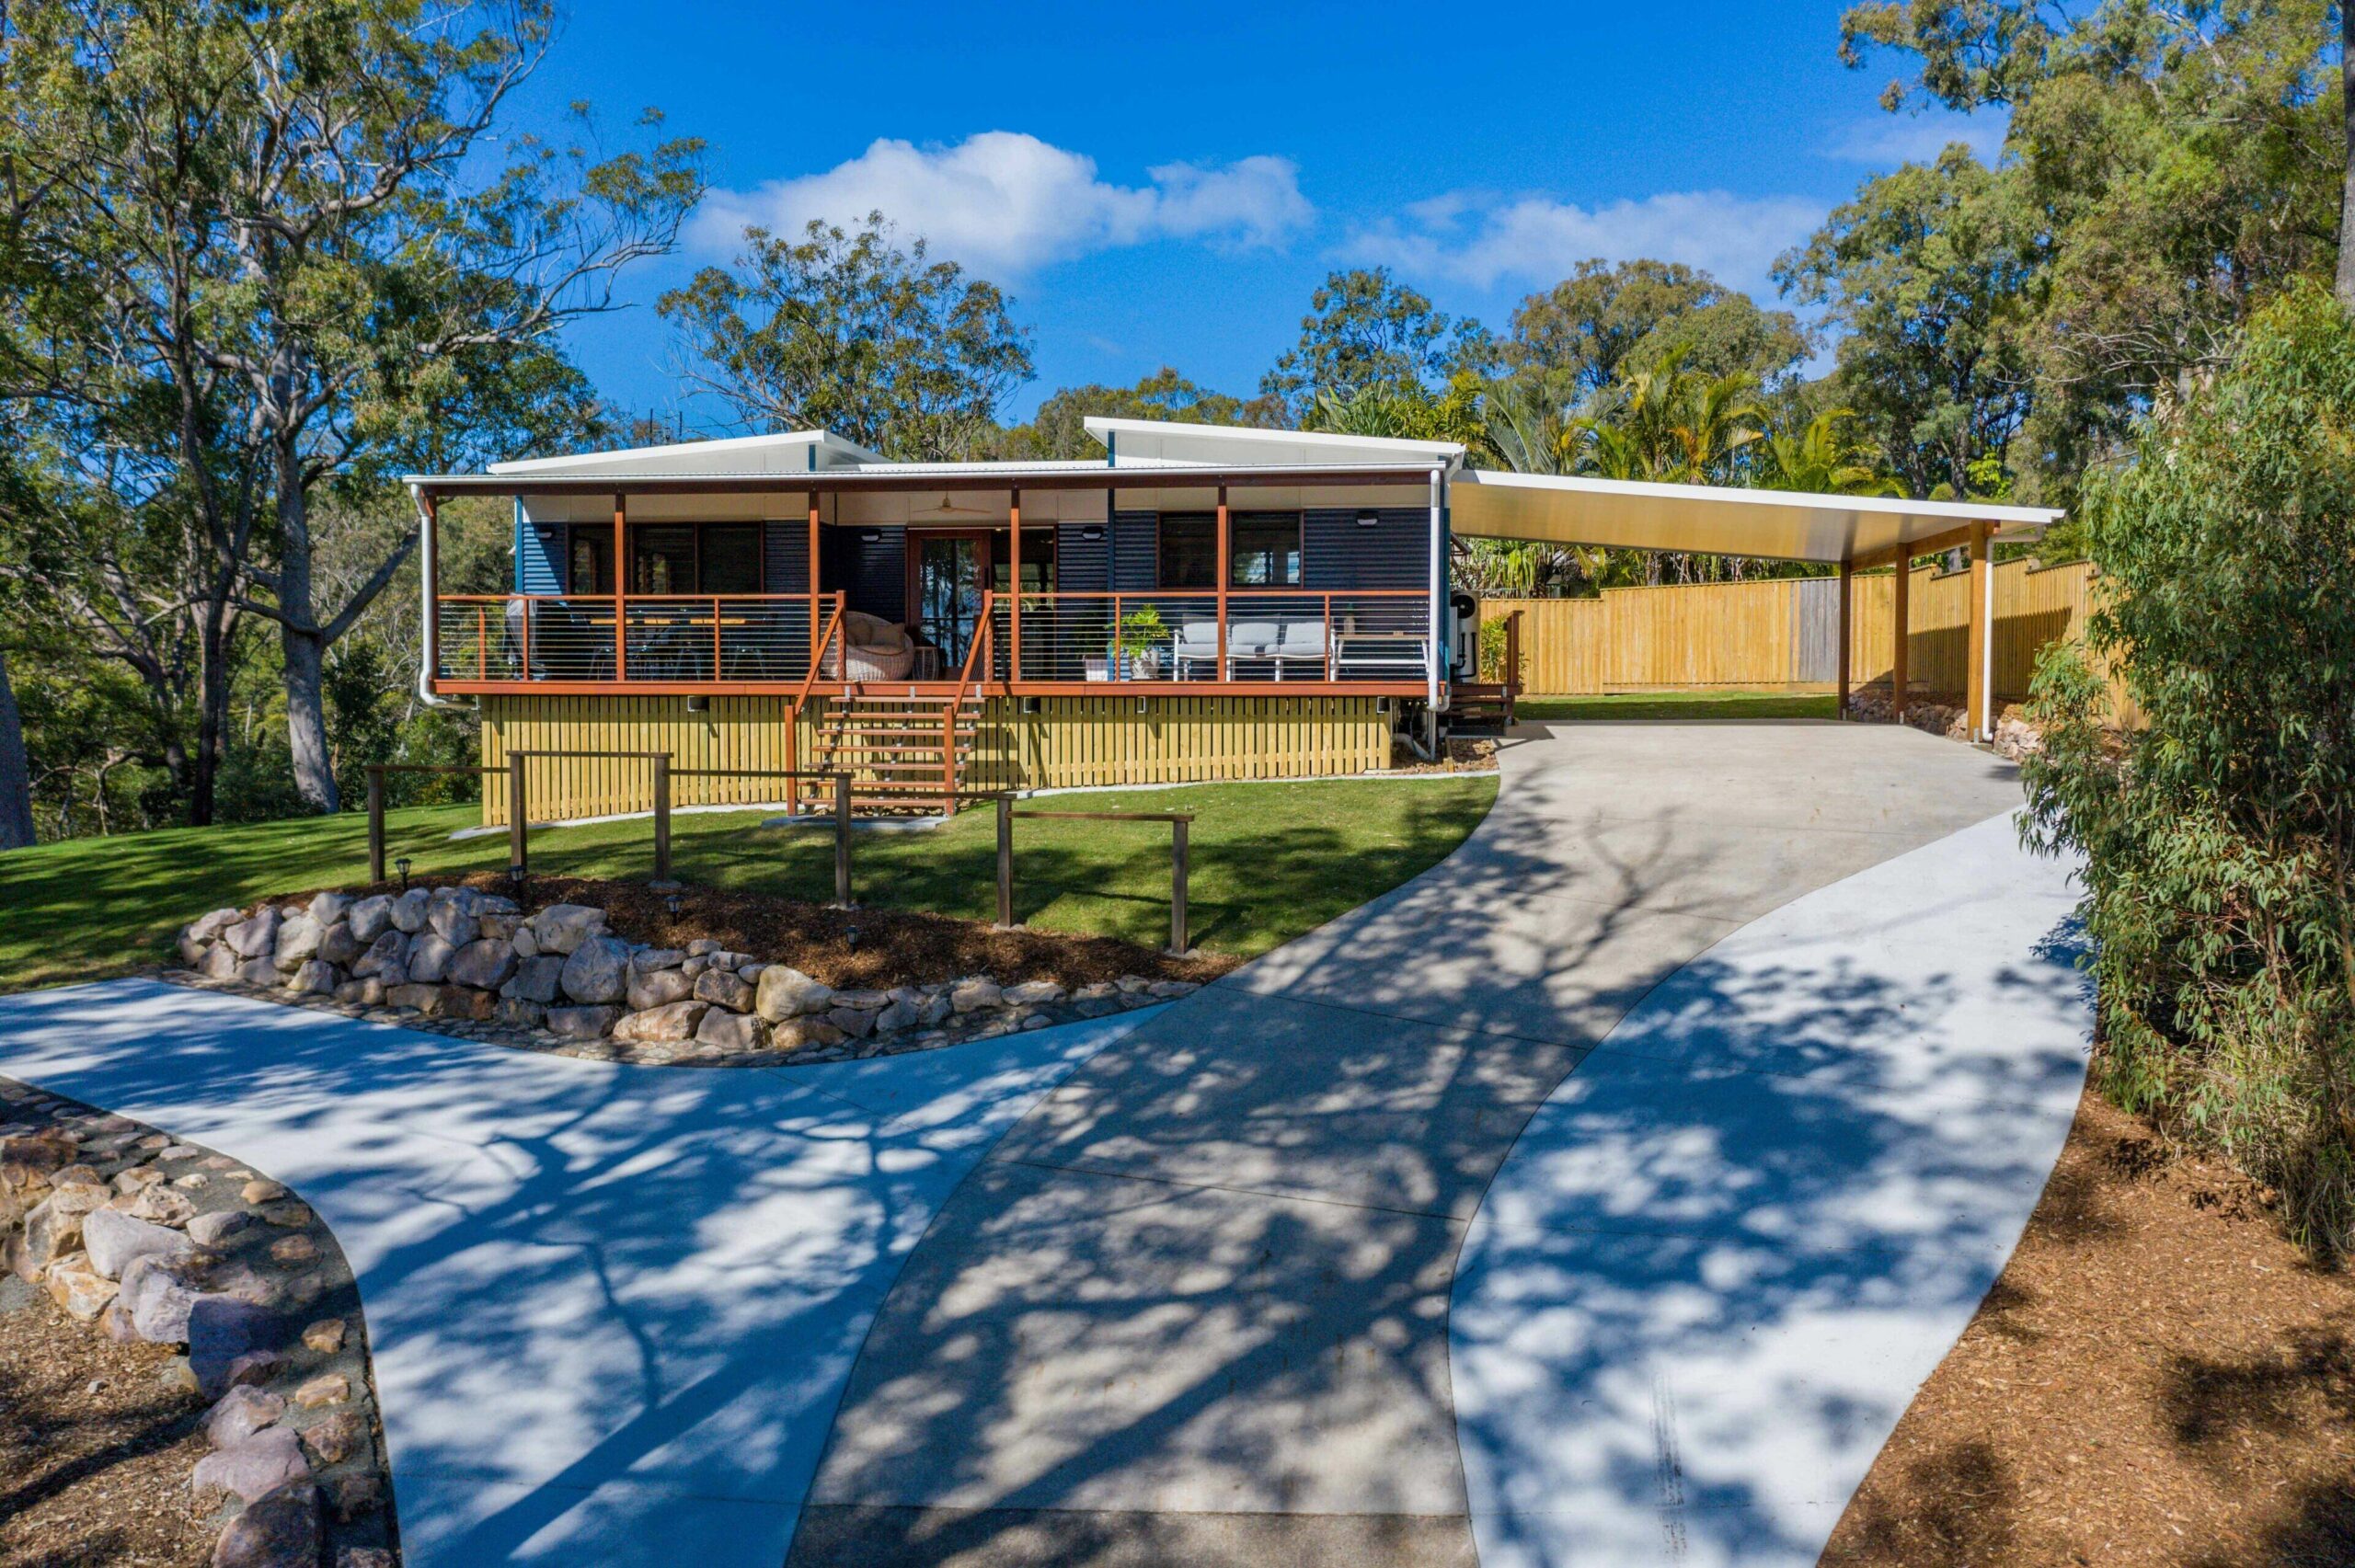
(788, 451)
(1232, 446)
(1776, 525)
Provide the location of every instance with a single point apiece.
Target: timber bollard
(376, 825)
(841, 840)
(1005, 862)
(518, 818)
(1178, 872)
(663, 822)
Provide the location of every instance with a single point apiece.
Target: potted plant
(1136, 642)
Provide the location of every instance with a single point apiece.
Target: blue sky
(1166, 185)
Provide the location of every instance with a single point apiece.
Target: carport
(1851, 533)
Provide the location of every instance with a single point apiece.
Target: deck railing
(1157, 637)
(1170, 635)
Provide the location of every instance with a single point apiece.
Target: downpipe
(426, 575)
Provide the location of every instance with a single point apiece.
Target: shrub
(2220, 839)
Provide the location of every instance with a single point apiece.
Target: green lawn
(1270, 861)
(1681, 705)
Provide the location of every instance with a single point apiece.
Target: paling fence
(1783, 633)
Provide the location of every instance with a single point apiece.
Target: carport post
(1978, 699)
(1900, 678)
(1847, 610)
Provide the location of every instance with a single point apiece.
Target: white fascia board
(777, 453)
(1234, 446)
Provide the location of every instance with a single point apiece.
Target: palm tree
(1670, 425)
(1825, 460)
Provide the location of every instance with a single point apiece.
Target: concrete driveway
(1195, 1307)
(611, 1307)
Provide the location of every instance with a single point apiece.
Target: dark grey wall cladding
(784, 558)
(1392, 552)
(870, 566)
(1122, 558)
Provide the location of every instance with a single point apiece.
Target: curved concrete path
(611, 1307)
(1195, 1308)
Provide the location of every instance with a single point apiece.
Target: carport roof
(1774, 524)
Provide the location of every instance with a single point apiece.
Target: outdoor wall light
(1030, 704)
(1367, 519)
(700, 703)
(870, 537)
(1091, 535)
(401, 865)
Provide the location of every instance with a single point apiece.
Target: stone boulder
(298, 938)
(562, 928)
(220, 962)
(211, 1230)
(369, 917)
(314, 977)
(972, 995)
(453, 923)
(484, 964)
(415, 996)
(662, 1026)
(387, 953)
(646, 960)
(328, 907)
(429, 959)
(207, 928)
(253, 1467)
(721, 987)
(54, 1228)
(80, 1289)
(285, 1529)
(729, 1031)
(582, 1022)
(340, 946)
(241, 1412)
(786, 993)
(115, 1240)
(159, 1293)
(658, 988)
(597, 969)
(222, 1332)
(535, 980)
(408, 912)
(1030, 994)
(255, 937)
(804, 1034)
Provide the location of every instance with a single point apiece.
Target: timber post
(518, 818)
(376, 823)
(1179, 870)
(1900, 676)
(1005, 862)
(663, 823)
(842, 840)
(1847, 612)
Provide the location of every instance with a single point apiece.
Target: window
(591, 563)
(731, 558)
(1263, 550)
(662, 558)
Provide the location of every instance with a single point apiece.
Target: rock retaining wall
(2014, 737)
(143, 1237)
(558, 979)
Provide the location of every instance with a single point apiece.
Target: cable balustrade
(1177, 636)
(1062, 641)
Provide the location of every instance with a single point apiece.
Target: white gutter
(1435, 695)
(425, 577)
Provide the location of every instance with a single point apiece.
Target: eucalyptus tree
(849, 332)
(1366, 330)
(1607, 318)
(313, 244)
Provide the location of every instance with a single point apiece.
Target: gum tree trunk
(16, 770)
(303, 642)
(2345, 282)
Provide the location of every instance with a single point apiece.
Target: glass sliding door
(949, 573)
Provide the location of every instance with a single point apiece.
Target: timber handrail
(1179, 858)
(809, 684)
(976, 657)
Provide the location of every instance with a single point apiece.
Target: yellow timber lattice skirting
(1071, 742)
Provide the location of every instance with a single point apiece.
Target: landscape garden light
(401, 865)
(850, 938)
(674, 903)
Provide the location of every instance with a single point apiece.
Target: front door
(950, 570)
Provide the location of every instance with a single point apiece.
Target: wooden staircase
(1480, 706)
(905, 754)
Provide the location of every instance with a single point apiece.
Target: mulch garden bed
(94, 1447)
(895, 947)
(2158, 1378)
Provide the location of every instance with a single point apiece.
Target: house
(1199, 604)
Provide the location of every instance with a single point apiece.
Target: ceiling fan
(948, 511)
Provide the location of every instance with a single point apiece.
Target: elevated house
(1199, 604)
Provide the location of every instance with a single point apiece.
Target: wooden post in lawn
(1901, 677)
(663, 822)
(518, 816)
(1005, 862)
(1177, 875)
(842, 840)
(375, 824)
(1847, 610)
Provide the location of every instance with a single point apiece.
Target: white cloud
(1485, 239)
(1005, 201)
(1888, 140)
